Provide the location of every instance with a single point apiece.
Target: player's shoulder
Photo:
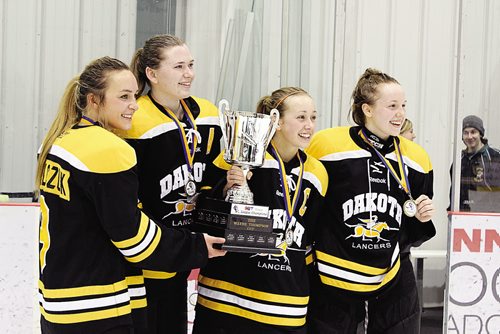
(94, 149)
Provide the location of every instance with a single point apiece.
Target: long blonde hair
(93, 80)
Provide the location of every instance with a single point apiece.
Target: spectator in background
(407, 130)
(480, 166)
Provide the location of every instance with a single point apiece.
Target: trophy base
(250, 250)
(246, 228)
(240, 195)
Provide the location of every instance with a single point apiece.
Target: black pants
(167, 306)
(120, 330)
(394, 311)
(201, 328)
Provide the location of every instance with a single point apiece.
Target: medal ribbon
(290, 204)
(90, 120)
(188, 150)
(403, 181)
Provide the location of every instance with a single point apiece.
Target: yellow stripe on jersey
(265, 296)
(138, 303)
(221, 163)
(74, 305)
(79, 304)
(151, 274)
(94, 149)
(309, 259)
(86, 316)
(210, 141)
(143, 228)
(349, 264)
(134, 280)
(272, 320)
(137, 291)
(143, 244)
(92, 290)
(358, 286)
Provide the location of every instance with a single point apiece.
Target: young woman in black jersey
(261, 293)
(378, 204)
(176, 137)
(94, 241)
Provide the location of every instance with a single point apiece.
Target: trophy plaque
(246, 227)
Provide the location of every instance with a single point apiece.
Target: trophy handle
(223, 108)
(276, 114)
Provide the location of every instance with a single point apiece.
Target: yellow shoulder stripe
(94, 149)
(330, 141)
(315, 169)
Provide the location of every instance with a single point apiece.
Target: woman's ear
(92, 101)
(367, 110)
(151, 75)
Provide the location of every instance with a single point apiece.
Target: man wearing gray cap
(480, 167)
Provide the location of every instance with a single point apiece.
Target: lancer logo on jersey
(181, 207)
(277, 262)
(369, 229)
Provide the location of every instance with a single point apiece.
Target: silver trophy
(246, 137)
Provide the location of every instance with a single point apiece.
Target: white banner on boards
(473, 294)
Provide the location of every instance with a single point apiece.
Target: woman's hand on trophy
(235, 177)
(214, 246)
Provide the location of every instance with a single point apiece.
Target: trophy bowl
(246, 136)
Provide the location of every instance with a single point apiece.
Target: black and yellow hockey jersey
(162, 167)
(94, 239)
(363, 228)
(258, 290)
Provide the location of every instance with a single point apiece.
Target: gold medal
(410, 208)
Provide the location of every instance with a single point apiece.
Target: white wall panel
(18, 86)
(44, 44)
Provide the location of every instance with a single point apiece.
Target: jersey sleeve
(141, 241)
(414, 232)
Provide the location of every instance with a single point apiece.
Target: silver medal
(410, 208)
(289, 237)
(190, 187)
